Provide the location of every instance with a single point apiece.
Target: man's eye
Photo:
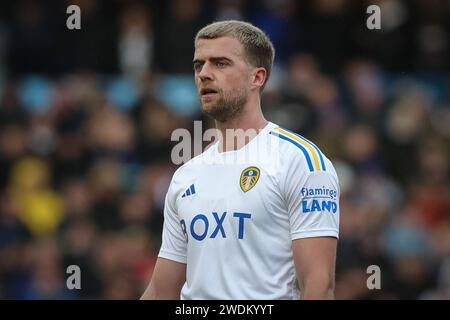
(220, 64)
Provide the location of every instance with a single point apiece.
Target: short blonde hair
(258, 48)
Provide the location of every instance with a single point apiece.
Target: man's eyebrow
(220, 58)
(213, 59)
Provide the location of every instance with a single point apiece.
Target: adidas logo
(189, 192)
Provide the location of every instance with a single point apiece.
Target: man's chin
(221, 110)
(214, 112)
(207, 108)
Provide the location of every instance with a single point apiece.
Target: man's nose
(206, 73)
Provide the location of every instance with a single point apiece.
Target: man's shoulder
(294, 148)
(196, 163)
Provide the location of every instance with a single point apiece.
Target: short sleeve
(174, 241)
(312, 201)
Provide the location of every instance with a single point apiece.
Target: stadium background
(86, 118)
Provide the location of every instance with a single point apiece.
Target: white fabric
(238, 245)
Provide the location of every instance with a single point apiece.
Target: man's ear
(259, 77)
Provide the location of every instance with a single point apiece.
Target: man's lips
(207, 91)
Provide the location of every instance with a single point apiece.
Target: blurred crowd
(86, 118)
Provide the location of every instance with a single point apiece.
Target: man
(238, 226)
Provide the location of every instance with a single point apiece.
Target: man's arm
(315, 261)
(167, 280)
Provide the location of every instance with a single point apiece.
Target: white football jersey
(232, 216)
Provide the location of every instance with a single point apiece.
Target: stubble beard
(226, 107)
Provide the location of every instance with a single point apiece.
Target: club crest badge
(249, 178)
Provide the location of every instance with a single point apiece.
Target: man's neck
(237, 132)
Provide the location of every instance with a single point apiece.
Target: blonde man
(254, 218)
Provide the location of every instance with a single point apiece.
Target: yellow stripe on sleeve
(305, 144)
